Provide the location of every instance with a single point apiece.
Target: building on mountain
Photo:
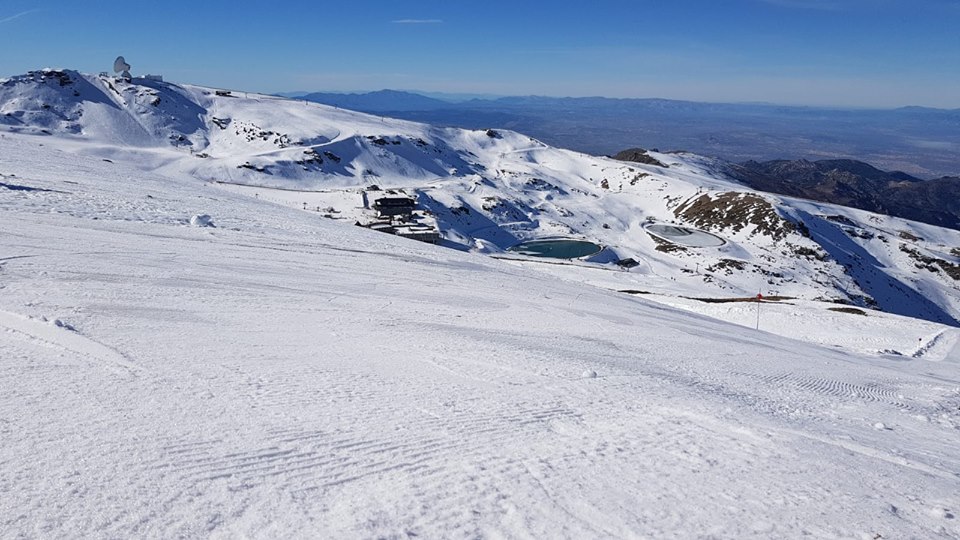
(423, 233)
(394, 206)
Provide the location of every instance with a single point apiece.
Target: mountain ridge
(375, 101)
(918, 140)
(488, 190)
(858, 185)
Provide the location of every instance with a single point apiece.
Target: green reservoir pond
(562, 248)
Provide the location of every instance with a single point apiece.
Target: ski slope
(285, 375)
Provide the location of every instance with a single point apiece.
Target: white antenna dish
(121, 66)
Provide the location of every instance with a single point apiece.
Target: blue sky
(870, 53)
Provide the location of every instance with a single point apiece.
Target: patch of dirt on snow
(850, 310)
(665, 246)
(931, 263)
(735, 210)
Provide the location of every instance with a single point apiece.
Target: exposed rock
(638, 155)
(932, 264)
(859, 185)
(735, 210)
(850, 310)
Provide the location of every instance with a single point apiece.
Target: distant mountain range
(921, 141)
(384, 100)
(859, 185)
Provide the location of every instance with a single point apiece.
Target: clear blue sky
(873, 53)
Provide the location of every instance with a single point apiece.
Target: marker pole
(759, 300)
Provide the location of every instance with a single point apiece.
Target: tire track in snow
(941, 337)
(71, 341)
(305, 460)
(926, 401)
(872, 452)
(864, 392)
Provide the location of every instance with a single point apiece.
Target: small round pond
(557, 248)
(685, 236)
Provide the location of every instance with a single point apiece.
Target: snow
(487, 193)
(813, 322)
(201, 220)
(289, 375)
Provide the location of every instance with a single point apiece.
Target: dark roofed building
(394, 206)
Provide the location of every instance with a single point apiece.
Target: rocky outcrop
(638, 155)
(735, 211)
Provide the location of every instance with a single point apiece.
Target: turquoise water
(556, 249)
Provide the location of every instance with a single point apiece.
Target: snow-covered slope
(284, 375)
(489, 190)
